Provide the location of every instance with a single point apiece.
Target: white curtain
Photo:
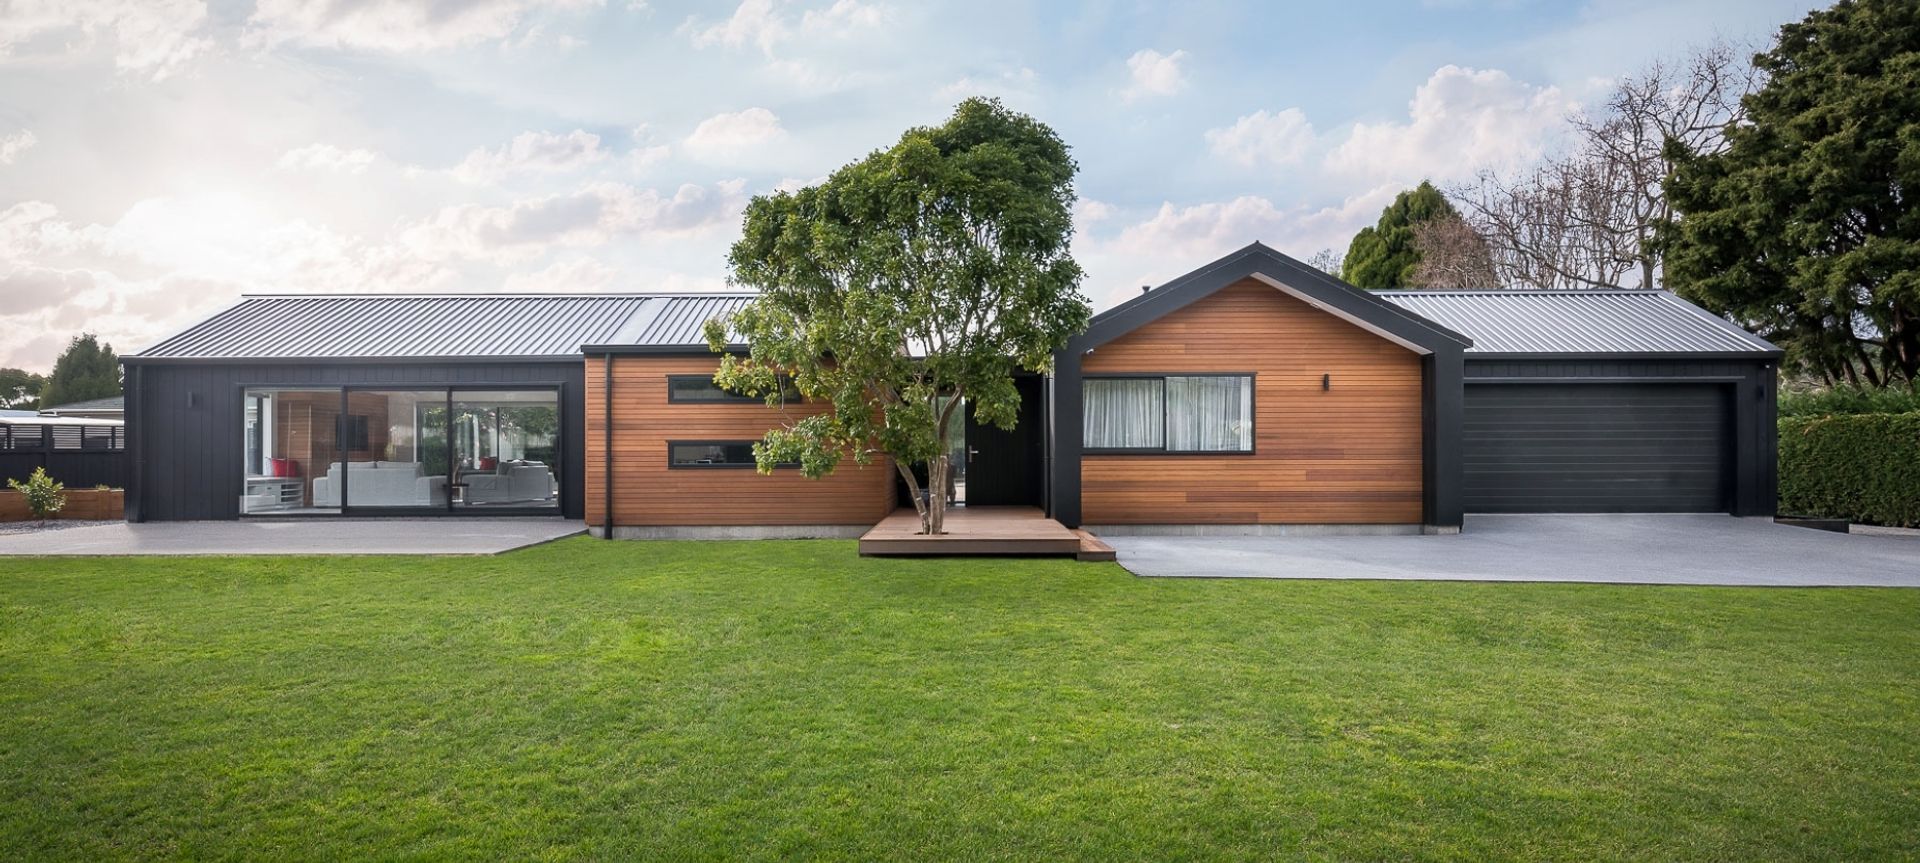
(1210, 414)
(1123, 413)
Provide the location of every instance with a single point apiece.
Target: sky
(159, 158)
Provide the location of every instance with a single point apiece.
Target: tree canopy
(1386, 255)
(87, 369)
(20, 389)
(921, 275)
(1805, 226)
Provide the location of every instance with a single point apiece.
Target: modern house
(1254, 394)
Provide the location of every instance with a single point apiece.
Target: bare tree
(1326, 261)
(1452, 255)
(1588, 218)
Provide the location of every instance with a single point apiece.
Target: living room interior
(333, 450)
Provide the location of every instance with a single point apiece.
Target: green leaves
(931, 269)
(1385, 256)
(1805, 228)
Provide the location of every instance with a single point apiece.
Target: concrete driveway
(317, 536)
(1624, 549)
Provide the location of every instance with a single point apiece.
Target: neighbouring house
(111, 408)
(1255, 394)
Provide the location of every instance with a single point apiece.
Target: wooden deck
(986, 530)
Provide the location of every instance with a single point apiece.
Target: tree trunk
(934, 521)
(913, 491)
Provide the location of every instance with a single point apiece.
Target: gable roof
(440, 326)
(1306, 283)
(1644, 323)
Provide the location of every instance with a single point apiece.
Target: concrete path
(318, 536)
(1624, 549)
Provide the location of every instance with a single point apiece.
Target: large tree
(1590, 217)
(1385, 255)
(20, 389)
(1806, 226)
(908, 283)
(87, 369)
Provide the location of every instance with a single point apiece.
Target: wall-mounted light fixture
(1326, 382)
(193, 399)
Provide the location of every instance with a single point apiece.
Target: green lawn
(779, 699)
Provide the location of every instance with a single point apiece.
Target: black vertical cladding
(1065, 419)
(1750, 386)
(186, 432)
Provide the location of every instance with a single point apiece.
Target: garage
(1662, 447)
(1608, 402)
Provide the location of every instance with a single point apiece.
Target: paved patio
(1621, 549)
(317, 536)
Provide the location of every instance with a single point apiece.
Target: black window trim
(1253, 385)
(728, 397)
(751, 465)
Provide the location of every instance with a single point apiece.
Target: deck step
(1093, 548)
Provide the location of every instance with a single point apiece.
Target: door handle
(971, 452)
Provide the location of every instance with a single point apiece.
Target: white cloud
(1151, 73)
(729, 136)
(591, 216)
(761, 23)
(569, 276)
(327, 157)
(11, 146)
(152, 38)
(1088, 211)
(1460, 121)
(392, 25)
(1014, 86)
(1176, 238)
(1262, 138)
(532, 152)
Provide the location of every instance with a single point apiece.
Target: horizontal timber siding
(1346, 455)
(647, 493)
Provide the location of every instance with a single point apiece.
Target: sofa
(381, 483)
(510, 482)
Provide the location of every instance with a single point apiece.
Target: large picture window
(1168, 413)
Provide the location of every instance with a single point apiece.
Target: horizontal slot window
(1168, 414)
(712, 454)
(699, 389)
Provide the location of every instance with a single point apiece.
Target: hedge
(1861, 467)
(1848, 400)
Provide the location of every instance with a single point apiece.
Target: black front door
(1003, 467)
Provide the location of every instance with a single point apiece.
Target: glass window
(290, 437)
(701, 388)
(1210, 414)
(1125, 413)
(723, 453)
(395, 441)
(506, 449)
(1177, 413)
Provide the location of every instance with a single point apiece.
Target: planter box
(88, 504)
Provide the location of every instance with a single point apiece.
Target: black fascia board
(1260, 259)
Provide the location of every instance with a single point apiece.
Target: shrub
(1848, 400)
(44, 496)
(1860, 467)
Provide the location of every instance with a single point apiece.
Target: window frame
(1253, 407)
(728, 397)
(750, 465)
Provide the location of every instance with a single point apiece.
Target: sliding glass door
(367, 450)
(505, 449)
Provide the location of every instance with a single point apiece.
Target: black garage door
(1597, 447)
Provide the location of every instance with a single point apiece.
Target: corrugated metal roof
(670, 321)
(487, 325)
(1579, 322)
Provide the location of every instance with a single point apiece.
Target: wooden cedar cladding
(1349, 454)
(647, 493)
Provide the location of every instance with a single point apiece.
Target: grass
(782, 699)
